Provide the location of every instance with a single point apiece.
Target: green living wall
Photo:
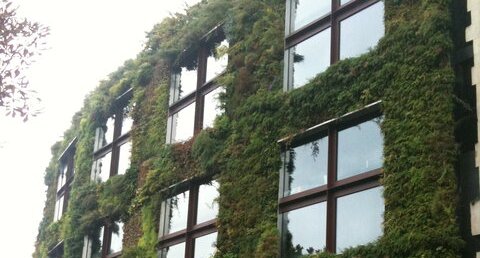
(409, 70)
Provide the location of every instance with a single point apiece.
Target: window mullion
(199, 99)
(191, 221)
(331, 204)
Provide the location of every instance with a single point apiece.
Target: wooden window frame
(330, 20)
(203, 87)
(107, 241)
(119, 137)
(334, 188)
(192, 230)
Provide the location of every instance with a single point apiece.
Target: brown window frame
(330, 20)
(107, 241)
(119, 137)
(334, 188)
(192, 230)
(203, 87)
(66, 159)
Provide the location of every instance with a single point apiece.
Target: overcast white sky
(89, 39)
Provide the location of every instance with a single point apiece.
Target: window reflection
(207, 203)
(217, 63)
(175, 251)
(184, 83)
(62, 177)
(212, 107)
(361, 31)
(182, 124)
(117, 238)
(108, 131)
(127, 121)
(97, 253)
(58, 209)
(124, 158)
(359, 218)
(306, 11)
(306, 166)
(309, 58)
(360, 149)
(205, 246)
(175, 213)
(103, 167)
(304, 231)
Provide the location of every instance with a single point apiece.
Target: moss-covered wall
(409, 70)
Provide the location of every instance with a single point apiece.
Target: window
(64, 180)
(194, 92)
(319, 33)
(187, 222)
(110, 240)
(112, 145)
(330, 195)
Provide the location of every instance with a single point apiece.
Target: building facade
(279, 128)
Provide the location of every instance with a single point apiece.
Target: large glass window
(187, 222)
(331, 197)
(319, 33)
(194, 101)
(64, 180)
(112, 148)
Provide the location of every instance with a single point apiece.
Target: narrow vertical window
(194, 92)
(112, 149)
(64, 179)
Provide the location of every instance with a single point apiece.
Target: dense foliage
(409, 71)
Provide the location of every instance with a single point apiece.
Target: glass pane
(188, 82)
(124, 157)
(127, 121)
(58, 208)
(117, 238)
(342, 2)
(176, 213)
(205, 246)
(212, 107)
(61, 177)
(360, 149)
(97, 252)
(306, 166)
(103, 167)
(108, 131)
(175, 251)
(182, 124)
(304, 230)
(359, 218)
(217, 63)
(309, 58)
(207, 203)
(306, 11)
(361, 31)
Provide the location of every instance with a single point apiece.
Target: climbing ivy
(409, 70)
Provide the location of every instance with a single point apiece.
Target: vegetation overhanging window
(194, 91)
(112, 145)
(330, 194)
(64, 180)
(187, 221)
(319, 33)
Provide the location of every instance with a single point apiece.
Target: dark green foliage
(409, 71)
